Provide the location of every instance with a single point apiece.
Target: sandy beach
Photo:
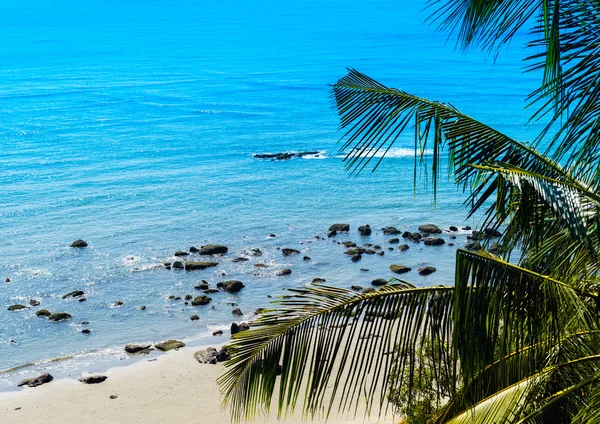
(173, 388)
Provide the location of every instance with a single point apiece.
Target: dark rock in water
(86, 331)
(194, 318)
(368, 290)
(287, 252)
(492, 232)
(59, 316)
(231, 286)
(213, 249)
(179, 265)
(284, 271)
(208, 356)
(377, 247)
(169, 345)
(43, 313)
(416, 237)
(210, 291)
(81, 299)
(496, 248)
(403, 247)
(379, 282)
(453, 228)
(399, 269)
(452, 237)
(34, 302)
(427, 270)
(394, 240)
(240, 259)
(217, 333)
(272, 235)
(17, 307)
(201, 300)
(391, 230)
(356, 288)
(475, 245)
(133, 348)
(364, 270)
(364, 230)
(369, 251)
(339, 228)
(118, 303)
(430, 228)
(284, 155)
(202, 285)
(406, 234)
(354, 251)
(433, 241)
(450, 244)
(237, 311)
(467, 228)
(306, 258)
(318, 280)
(143, 307)
(181, 253)
(381, 253)
(7, 280)
(237, 328)
(79, 243)
(188, 297)
(193, 266)
(356, 258)
(256, 252)
(194, 249)
(332, 234)
(73, 294)
(476, 235)
(348, 244)
(93, 379)
(36, 381)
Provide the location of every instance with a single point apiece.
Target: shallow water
(132, 125)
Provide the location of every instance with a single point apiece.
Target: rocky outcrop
(17, 307)
(73, 294)
(394, 240)
(379, 282)
(213, 249)
(231, 286)
(340, 228)
(354, 251)
(203, 285)
(36, 381)
(59, 316)
(430, 229)
(399, 269)
(201, 300)
(403, 247)
(453, 228)
(284, 271)
(194, 318)
(193, 266)
(79, 243)
(237, 311)
(169, 345)
(237, 328)
(364, 230)
(427, 270)
(287, 251)
(135, 349)
(433, 241)
(93, 379)
(43, 313)
(391, 230)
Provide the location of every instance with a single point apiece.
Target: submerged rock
(17, 307)
(340, 228)
(43, 313)
(36, 381)
(356, 258)
(73, 294)
(34, 302)
(318, 280)
(284, 271)
(181, 253)
(213, 249)
(399, 269)
(356, 288)
(203, 285)
(231, 286)
(201, 300)
(391, 230)
(169, 345)
(193, 266)
(59, 316)
(93, 379)
(79, 243)
(427, 270)
(287, 251)
(240, 259)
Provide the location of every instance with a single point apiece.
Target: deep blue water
(132, 124)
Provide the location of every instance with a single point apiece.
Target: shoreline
(172, 387)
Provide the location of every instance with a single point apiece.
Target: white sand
(175, 388)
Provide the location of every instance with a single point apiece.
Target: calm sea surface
(132, 124)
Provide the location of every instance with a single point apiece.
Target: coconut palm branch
(330, 337)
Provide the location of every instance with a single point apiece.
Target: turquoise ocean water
(132, 124)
